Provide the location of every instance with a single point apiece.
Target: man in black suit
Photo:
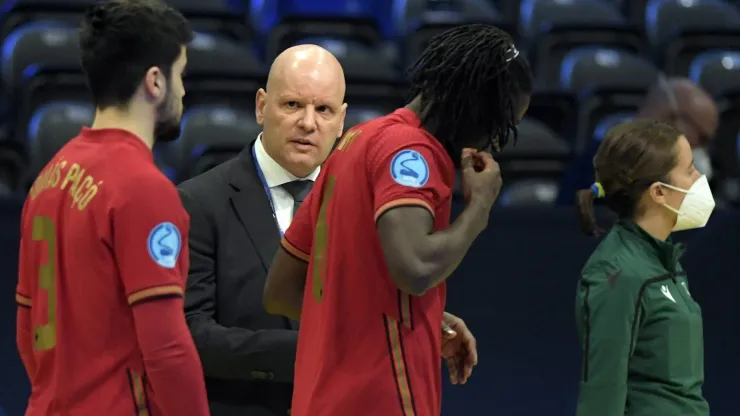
(238, 212)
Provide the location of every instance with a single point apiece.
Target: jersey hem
(403, 202)
(156, 292)
(295, 251)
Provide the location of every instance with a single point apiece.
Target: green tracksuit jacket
(640, 330)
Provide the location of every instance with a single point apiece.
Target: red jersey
(364, 346)
(102, 230)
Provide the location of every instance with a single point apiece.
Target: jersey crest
(164, 244)
(408, 168)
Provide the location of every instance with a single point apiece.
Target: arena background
(594, 60)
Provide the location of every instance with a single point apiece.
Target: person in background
(102, 268)
(676, 101)
(238, 213)
(639, 327)
(688, 107)
(365, 262)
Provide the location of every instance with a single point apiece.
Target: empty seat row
(213, 134)
(594, 83)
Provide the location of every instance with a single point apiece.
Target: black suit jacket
(248, 356)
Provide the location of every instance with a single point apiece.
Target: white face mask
(696, 207)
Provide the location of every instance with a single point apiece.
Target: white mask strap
(673, 187)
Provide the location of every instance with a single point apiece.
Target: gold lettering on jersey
(81, 187)
(47, 179)
(348, 139)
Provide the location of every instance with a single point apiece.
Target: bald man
(681, 102)
(238, 213)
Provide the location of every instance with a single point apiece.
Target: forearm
(288, 304)
(170, 358)
(441, 252)
(243, 354)
(24, 339)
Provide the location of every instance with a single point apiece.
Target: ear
(657, 193)
(155, 84)
(260, 100)
(342, 114)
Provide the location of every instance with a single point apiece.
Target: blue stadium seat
(552, 28)
(538, 152)
(585, 69)
(210, 136)
(356, 116)
(417, 22)
(679, 30)
(223, 17)
(40, 63)
(52, 126)
(719, 73)
(362, 30)
(529, 192)
(608, 122)
(16, 13)
(580, 172)
(533, 165)
(223, 71)
(607, 81)
(556, 108)
(35, 46)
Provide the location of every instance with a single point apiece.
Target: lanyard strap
(267, 190)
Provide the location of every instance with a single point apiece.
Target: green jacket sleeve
(607, 311)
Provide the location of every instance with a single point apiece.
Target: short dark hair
(469, 79)
(121, 39)
(633, 156)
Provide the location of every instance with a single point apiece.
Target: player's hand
(459, 349)
(481, 177)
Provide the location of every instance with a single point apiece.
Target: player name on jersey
(82, 187)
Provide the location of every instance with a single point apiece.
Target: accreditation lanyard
(267, 190)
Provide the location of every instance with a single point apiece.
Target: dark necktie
(299, 191)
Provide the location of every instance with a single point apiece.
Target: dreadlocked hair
(469, 79)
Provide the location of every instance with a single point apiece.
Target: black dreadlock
(469, 79)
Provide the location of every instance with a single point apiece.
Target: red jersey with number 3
(102, 230)
(365, 347)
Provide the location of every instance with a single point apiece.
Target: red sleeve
(24, 318)
(171, 361)
(24, 339)
(299, 237)
(406, 169)
(149, 227)
(24, 290)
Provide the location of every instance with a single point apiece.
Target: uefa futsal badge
(408, 168)
(164, 244)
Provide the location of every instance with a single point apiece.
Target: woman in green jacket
(639, 327)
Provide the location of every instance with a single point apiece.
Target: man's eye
(322, 109)
(292, 104)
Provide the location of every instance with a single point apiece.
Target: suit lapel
(249, 201)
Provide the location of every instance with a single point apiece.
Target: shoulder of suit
(208, 181)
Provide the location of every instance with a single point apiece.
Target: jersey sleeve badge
(164, 244)
(408, 168)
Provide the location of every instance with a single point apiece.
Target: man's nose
(307, 121)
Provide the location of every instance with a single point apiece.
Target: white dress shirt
(275, 176)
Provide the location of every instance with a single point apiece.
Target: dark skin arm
(286, 280)
(419, 259)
